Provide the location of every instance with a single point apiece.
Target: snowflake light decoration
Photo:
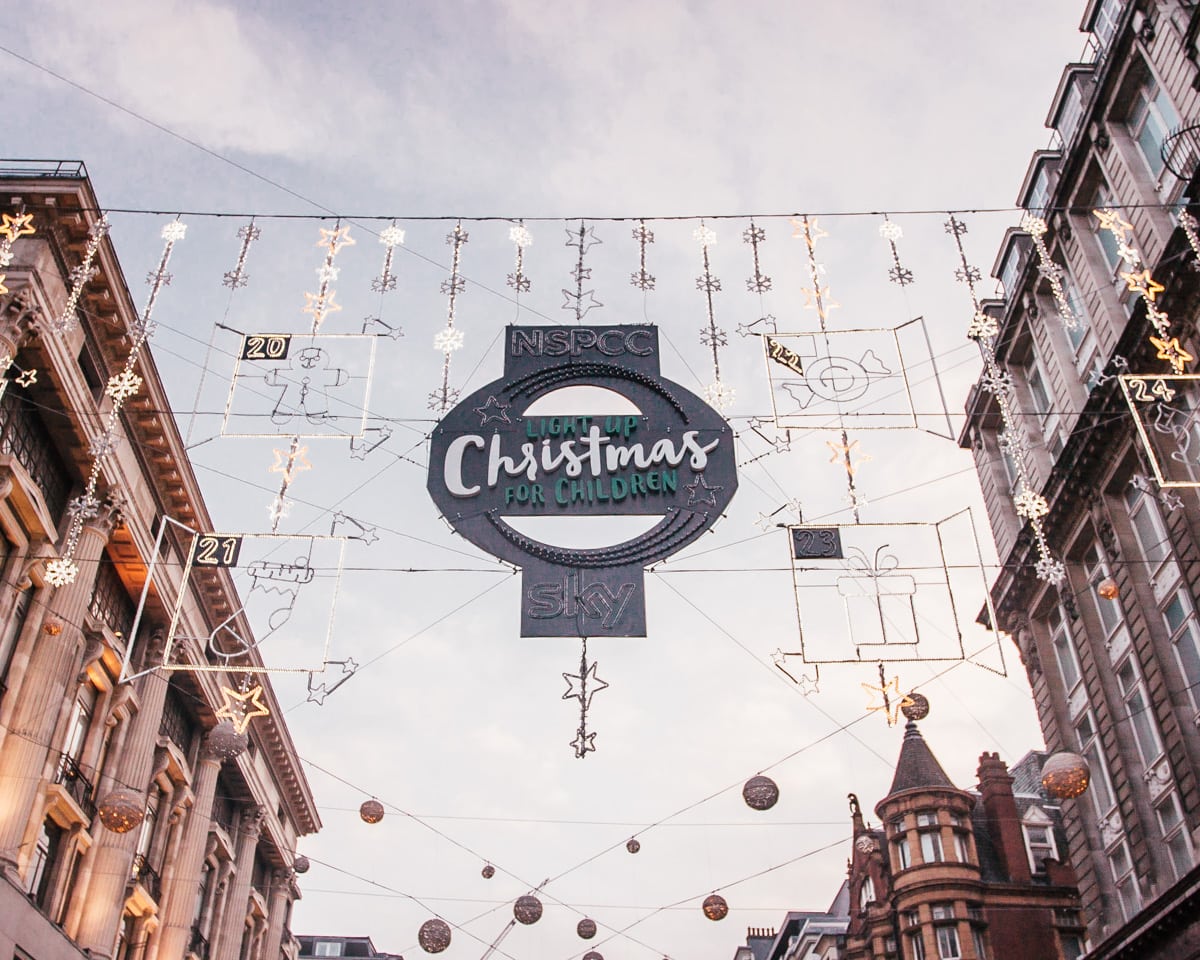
(1050, 570)
(123, 385)
(754, 235)
(521, 238)
(720, 395)
(640, 278)
(237, 277)
(983, 327)
(704, 235)
(897, 273)
(1030, 504)
(391, 237)
(61, 571)
(1051, 271)
(448, 340)
(174, 231)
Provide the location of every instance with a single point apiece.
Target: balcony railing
(77, 786)
(198, 945)
(147, 876)
(24, 435)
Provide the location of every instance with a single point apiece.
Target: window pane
(1064, 653)
(947, 938)
(931, 847)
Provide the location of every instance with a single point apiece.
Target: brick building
(959, 874)
(207, 874)
(1112, 652)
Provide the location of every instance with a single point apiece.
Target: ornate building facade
(207, 873)
(1112, 651)
(960, 875)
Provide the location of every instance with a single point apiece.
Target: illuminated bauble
(122, 810)
(300, 864)
(527, 909)
(1065, 775)
(593, 955)
(917, 709)
(634, 845)
(434, 936)
(715, 907)
(1108, 589)
(488, 871)
(864, 843)
(760, 793)
(371, 811)
(225, 743)
(586, 928)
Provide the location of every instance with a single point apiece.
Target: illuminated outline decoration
(1164, 408)
(678, 464)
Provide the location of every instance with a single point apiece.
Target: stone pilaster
(53, 665)
(179, 892)
(227, 944)
(281, 886)
(113, 853)
(18, 322)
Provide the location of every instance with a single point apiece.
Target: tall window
(1105, 24)
(1179, 614)
(1079, 335)
(931, 846)
(977, 935)
(1151, 118)
(1112, 617)
(1122, 872)
(1109, 246)
(1043, 404)
(916, 946)
(1100, 786)
(1149, 529)
(867, 893)
(1064, 649)
(947, 941)
(1175, 834)
(1137, 708)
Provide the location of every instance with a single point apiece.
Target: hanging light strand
(450, 338)
(79, 277)
(1037, 228)
(718, 393)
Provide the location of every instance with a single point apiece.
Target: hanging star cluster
(79, 277)
(1138, 280)
(718, 393)
(288, 463)
(582, 686)
(10, 228)
(521, 238)
(984, 330)
(641, 278)
(897, 273)
(322, 303)
(121, 386)
(1036, 227)
(391, 237)
(237, 277)
(449, 339)
(579, 300)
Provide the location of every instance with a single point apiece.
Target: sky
(555, 113)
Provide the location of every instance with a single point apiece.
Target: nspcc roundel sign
(490, 462)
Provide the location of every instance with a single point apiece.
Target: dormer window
(1040, 845)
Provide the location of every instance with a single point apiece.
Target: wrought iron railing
(77, 786)
(110, 601)
(198, 944)
(147, 876)
(24, 436)
(1181, 150)
(69, 169)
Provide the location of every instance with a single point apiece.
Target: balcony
(1181, 150)
(146, 876)
(78, 787)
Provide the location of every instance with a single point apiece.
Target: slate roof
(917, 766)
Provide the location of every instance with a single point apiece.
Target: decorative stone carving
(1158, 778)
(93, 650)
(1111, 828)
(19, 317)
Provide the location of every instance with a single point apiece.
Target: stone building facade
(961, 875)
(1112, 652)
(208, 873)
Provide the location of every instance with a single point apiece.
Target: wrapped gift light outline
(879, 602)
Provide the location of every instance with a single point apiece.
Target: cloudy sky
(567, 111)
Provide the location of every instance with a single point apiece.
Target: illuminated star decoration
(521, 238)
(28, 378)
(241, 707)
(640, 278)
(699, 492)
(19, 226)
(999, 383)
(897, 273)
(366, 533)
(288, 463)
(583, 240)
(237, 277)
(443, 399)
(844, 452)
(104, 443)
(893, 701)
(1171, 500)
(1037, 228)
(581, 686)
(1139, 281)
(391, 237)
(320, 304)
(318, 693)
(491, 410)
(808, 685)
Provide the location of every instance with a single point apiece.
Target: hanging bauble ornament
(593, 955)
(1108, 589)
(760, 793)
(488, 871)
(917, 708)
(225, 743)
(633, 845)
(371, 811)
(586, 928)
(527, 909)
(434, 936)
(1066, 775)
(715, 907)
(122, 810)
(300, 865)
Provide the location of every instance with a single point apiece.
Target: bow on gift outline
(876, 570)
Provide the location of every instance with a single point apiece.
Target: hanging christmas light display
(121, 810)
(521, 238)
(79, 277)
(586, 928)
(237, 277)
(640, 278)
(582, 686)
(488, 871)
(917, 707)
(1066, 775)
(897, 273)
(1036, 227)
(371, 811)
(434, 936)
(760, 793)
(633, 845)
(391, 237)
(63, 570)
(582, 239)
(527, 909)
(449, 338)
(718, 393)
(984, 330)
(715, 907)
(300, 864)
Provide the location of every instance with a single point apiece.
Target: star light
(335, 239)
(27, 378)
(699, 492)
(893, 700)
(1171, 500)
(1111, 220)
(583, 687)
(1172, 352)
(19, 226)
(319, 306)
(448, 340)
(1144, 284)
(289, 463)
(584, 743)
(241, 708)
(493, 409)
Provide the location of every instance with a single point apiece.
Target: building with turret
(133, 826)
(955, 873)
